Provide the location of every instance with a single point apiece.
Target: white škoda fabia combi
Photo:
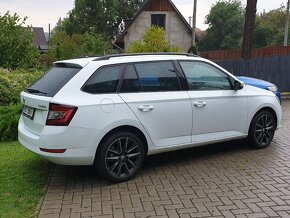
(112, 111)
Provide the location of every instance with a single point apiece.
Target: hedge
(11, 85)
(13, 82)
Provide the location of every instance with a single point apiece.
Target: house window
(158, 20)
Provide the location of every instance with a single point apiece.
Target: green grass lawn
(23, 176)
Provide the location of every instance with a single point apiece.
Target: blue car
(261, 84)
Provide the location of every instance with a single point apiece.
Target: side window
(130, 81)
(203, 76)
(157, 76)
(104, 80)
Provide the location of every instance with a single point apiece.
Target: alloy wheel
(123, 157)
(264, 129)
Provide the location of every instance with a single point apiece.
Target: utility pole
(194, 23)
(49, 33)
(286, 25)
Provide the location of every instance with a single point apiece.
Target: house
(200, 33)
(39, 39)
(161, 13)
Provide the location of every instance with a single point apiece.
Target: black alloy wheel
(262, 129)
(121, 156)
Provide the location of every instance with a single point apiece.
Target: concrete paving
(221, 180)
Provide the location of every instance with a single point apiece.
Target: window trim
(121, 73)
(177, 72)
(231, 79)
(182, 77)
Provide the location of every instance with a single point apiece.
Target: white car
(112, 111)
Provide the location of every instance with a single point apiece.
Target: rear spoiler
(67, 65)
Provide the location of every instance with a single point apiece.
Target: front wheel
(262, 129)
(120, 157)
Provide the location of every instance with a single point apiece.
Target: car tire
(262, 129)
(120, 157)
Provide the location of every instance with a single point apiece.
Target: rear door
(36, 97)
(152, 91)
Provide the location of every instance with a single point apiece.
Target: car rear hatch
(36, 98)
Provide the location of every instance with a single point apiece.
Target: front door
(219, 112)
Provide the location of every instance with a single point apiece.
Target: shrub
(154, 40)
(13, 82)
(193, 50)
(9, 116)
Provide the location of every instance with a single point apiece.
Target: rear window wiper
(35, 91)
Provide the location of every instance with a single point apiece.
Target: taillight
(60, 115)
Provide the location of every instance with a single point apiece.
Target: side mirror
(238, 85)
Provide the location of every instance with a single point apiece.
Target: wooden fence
(275, 69)
(236, 54)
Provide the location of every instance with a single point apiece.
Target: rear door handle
(199, 104)
(145, 108)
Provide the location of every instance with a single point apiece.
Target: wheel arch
(127, 128)
(270, 110)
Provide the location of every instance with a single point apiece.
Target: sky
(42, 12)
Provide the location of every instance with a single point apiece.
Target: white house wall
(177, 33)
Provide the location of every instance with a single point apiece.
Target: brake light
(60, 115)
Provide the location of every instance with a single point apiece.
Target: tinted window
(105, 80)
(130, 81)
(158, 20)
(203, 76)
(158, 76)
(51, 82)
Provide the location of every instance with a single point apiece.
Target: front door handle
(145, 108)
(199, 104)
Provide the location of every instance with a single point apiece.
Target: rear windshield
(51, 82)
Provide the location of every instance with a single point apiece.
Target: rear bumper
(80, 144)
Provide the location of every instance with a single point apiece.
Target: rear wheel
(120, 157)
(262, 129)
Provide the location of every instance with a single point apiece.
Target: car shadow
(196, 153)
(89, 174)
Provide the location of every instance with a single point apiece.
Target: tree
(249, 28)
(99, 16)
(225, 22)
(269, 28)
(16, 47)
(65, 46)
(154, 40)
